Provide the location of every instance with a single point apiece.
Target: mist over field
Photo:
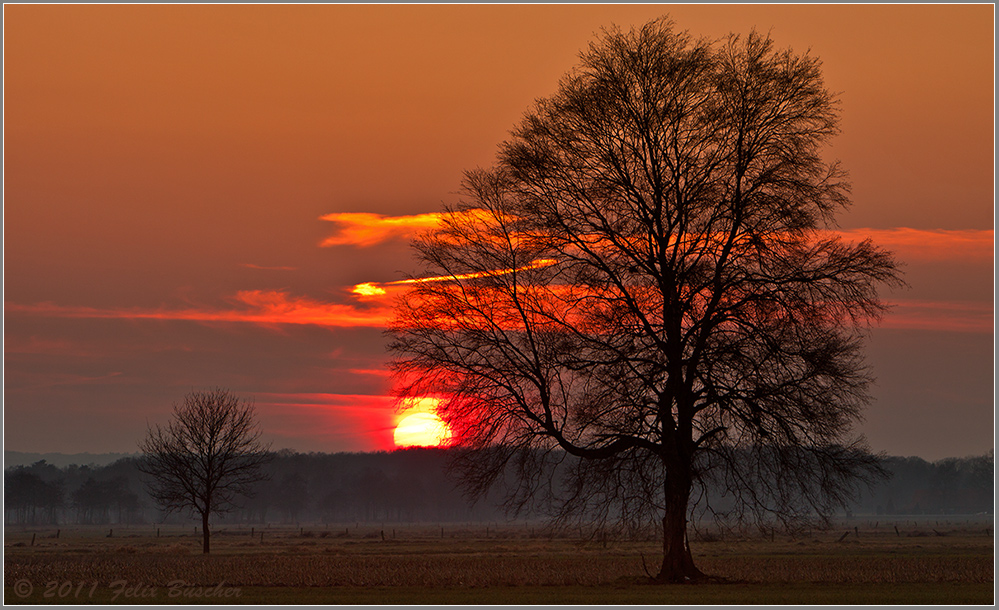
(404, 486)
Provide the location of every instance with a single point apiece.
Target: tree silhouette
(101, 501)
(646, 292)
(208, 456)
(25, 493)
(292, 496)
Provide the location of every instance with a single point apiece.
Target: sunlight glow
(368, 289)
(535, 264)
(372, 289)
(421, 430)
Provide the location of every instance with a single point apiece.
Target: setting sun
(421, 430)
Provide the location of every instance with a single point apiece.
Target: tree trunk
(206, 535)
(678, 565)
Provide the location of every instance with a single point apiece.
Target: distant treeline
(952, 486)
(407, 485)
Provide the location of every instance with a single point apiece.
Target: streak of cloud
(367, 229)
(262, 307)
(375, 372)
(274, 308)
(374, 289)
(363, 402)
(33, 345)
(955, 316)
(69, 380)
(353, 421)
(929, 245)
(267, 268)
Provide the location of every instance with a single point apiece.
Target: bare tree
(646, 291)
(208, 456)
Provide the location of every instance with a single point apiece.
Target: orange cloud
(367, 229)
(364, 229)
(264, 307)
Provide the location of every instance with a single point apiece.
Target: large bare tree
(647, 289)
(206, 458)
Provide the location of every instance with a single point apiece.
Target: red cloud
(941, 315)
(355, 422)
(929, 245)
(264, 307)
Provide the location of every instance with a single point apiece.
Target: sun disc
(421, 430)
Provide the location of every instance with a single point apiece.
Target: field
(926, 561)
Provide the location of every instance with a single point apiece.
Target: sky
(192, 192)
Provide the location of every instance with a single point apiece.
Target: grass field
(924, 562)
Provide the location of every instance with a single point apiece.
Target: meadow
(921, 561)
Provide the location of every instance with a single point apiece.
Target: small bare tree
(207, 457)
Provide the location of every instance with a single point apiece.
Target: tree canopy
(648, 288)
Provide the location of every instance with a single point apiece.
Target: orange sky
(191, 192)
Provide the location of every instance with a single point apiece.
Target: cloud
(381, 408)
(929, 245)
(908, 245)
(33, 345)
(324, 400)
(350, 422)
(375, 372)
(266, 268)
(274, 308)
(262, 307)
(369, 289)
(958, 316)
(365, 229)
(374, 289)
(67, 379)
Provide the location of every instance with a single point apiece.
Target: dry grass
(418, 559)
